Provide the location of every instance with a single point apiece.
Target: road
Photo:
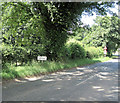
(97, 82)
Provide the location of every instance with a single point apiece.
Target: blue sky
(89, 19)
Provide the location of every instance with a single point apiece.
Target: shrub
(20, 54)
(35, 50)
(101, 51)
(75, 50)
(93, 52)
(13, 54)
(63, 54)
(6, 54)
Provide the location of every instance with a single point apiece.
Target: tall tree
(48, 22)
(105, 33)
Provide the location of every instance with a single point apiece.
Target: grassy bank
(37, 68)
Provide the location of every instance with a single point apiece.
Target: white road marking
(86, 79)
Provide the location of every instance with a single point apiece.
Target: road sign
(42, 58)
(105, 50)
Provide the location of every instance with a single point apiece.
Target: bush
(7, 54)
(75, 50)
(93, 52)
(63, 54)
(13, 54)
(35, 50)
(20, 54)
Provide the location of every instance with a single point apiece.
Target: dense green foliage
(38, 28)
(94, 52)
(20, 55)
(104, 33)
(75, 50)
(32, 29)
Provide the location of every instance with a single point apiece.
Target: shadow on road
(104, 84)
(78, 72)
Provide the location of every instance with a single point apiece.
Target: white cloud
(88, 19)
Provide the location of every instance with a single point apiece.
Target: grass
(114, 57)
(37, 68)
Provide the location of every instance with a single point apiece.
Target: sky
(88, 20)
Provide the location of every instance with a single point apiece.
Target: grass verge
(37, 68)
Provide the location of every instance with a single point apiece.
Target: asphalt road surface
(97, 82)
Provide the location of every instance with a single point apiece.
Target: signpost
(105, 51)
(42, 58)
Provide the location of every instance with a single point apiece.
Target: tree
(105, 33)
(47, 22)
